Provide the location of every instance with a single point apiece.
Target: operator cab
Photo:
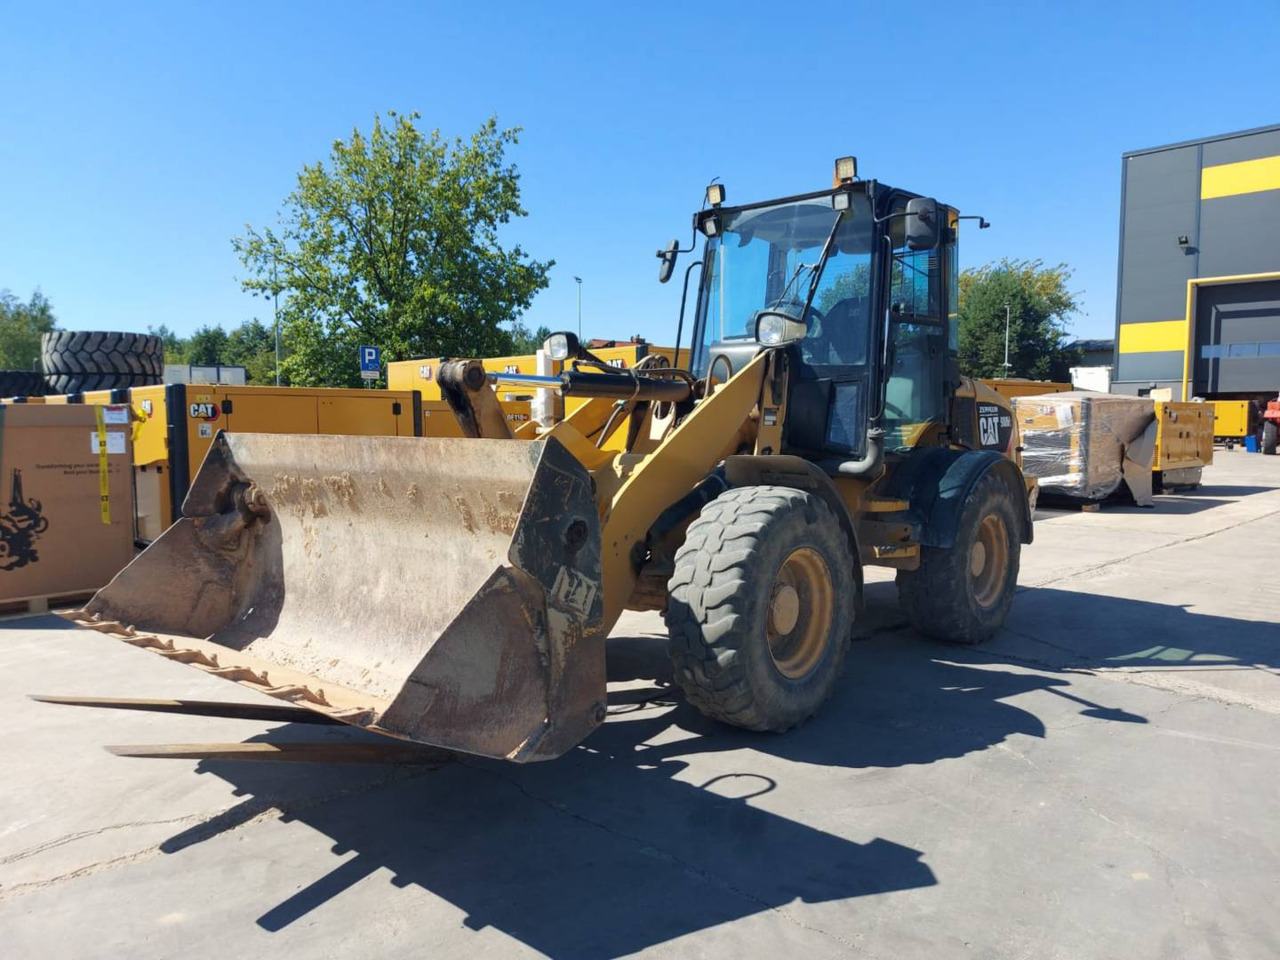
(869, 283)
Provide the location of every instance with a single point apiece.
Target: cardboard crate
(1084, 445)
(60, 533)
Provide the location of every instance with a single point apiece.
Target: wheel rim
(989, 561)
(801, 609)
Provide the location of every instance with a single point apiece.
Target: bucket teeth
(146, 640)
(298, 692)
(242, 675)
(190, 656)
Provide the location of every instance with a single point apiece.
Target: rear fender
(938, 480)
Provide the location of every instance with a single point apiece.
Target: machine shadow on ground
(1061, 629)
(503, 842)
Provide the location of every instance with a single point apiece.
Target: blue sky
(136, 140)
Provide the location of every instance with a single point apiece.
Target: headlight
(557, 346)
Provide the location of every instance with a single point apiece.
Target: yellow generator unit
(175, 425)
(1184, 443)
(1230, 421)
(1011, 387)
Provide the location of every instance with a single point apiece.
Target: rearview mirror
(922, 223)
(777, 329)
(668, 258)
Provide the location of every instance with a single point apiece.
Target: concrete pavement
(1100, 781)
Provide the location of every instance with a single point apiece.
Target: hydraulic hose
(869, 463)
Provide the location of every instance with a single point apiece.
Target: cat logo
(424, 372)
(511, 368)
(618, 362)
(995, 427)
(204, 411)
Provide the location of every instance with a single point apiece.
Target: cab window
(917, 339)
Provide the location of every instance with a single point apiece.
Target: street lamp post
(578, 281)
(1006, 340)
(275, 313)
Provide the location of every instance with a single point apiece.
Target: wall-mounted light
(1184, 240)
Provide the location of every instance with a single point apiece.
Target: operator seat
(843, 341)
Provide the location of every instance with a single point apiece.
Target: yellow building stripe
(1153, 337)
(1247, 176)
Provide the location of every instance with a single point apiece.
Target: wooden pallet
(1077, 504)
(26, 606)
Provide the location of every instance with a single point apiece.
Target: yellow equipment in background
(175, 424)
(1230, 421)
(1011, 387)
(1184, 443)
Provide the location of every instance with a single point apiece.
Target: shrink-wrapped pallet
(1086, 445)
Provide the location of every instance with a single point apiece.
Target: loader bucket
(444, 591)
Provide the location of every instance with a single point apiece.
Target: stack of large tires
(21, 383)
(78, 360)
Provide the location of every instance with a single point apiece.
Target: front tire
(962, 593)
(1269, 438)
(762, 605)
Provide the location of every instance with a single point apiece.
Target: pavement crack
(252, 811)
(97, 831)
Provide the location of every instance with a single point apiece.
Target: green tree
(175, 348)
(21, 326)
(207, 346)
(523, 341)
(1040, 306)
(855, 283)
(394, 242)
(252, 345)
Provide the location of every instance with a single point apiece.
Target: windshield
(768, 257)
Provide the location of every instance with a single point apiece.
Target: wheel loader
(458, 592)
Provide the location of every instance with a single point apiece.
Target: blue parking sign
(370, 362)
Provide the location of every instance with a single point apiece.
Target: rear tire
(762, 605)
(1269, 438)
(962, 593)
(78, 360)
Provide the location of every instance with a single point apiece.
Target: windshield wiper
(821, 264)
(782, 297)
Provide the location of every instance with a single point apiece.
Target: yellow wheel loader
(458, 592)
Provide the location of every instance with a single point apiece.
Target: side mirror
(562, 346)
(668, 258)
(923, 229)
(777, 329)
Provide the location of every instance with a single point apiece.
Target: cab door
(918, 345)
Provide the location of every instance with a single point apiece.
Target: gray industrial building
(1200, 268)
